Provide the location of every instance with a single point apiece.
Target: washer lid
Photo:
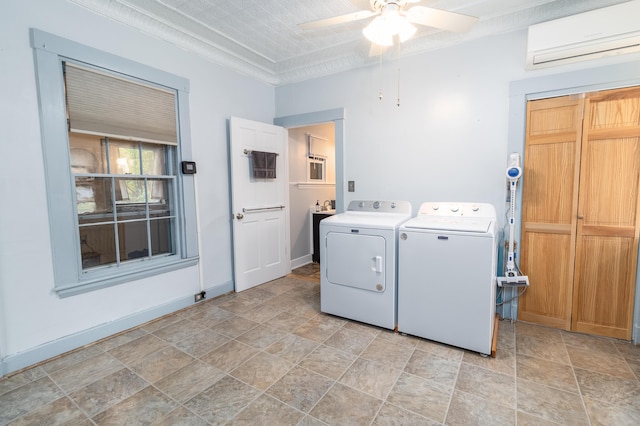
(441, 223)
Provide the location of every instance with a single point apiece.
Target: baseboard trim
(36, 355)
(301, 261)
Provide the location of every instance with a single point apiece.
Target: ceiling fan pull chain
(398, 86)
(380, 75)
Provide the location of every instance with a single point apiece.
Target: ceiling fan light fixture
(382, 29)
(406, 31)
(377, 32)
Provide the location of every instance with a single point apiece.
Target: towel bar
(248, 152)
(245, 210)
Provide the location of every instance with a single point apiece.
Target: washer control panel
(403, 207)
(456, 209)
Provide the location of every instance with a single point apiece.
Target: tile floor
(267, 356)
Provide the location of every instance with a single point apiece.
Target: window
(316, 171)
(113, 135)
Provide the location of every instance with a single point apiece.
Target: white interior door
(259, 206)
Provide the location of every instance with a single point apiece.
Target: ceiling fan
(393, 18)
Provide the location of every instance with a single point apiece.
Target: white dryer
(358, 252)
(447, 259)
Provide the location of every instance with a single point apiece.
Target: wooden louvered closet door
(580, 212)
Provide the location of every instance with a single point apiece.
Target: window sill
(87, 284)
(312, 185)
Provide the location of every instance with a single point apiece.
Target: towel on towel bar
(264, 164)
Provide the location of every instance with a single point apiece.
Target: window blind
(104, 104)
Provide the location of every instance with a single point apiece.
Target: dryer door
(356, 260)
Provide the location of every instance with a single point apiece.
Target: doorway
(327, 125)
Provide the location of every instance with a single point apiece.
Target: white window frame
(70, 278)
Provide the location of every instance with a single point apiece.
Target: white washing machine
(358, 252)
(447, 259)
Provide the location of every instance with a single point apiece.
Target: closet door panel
(607, 234)
(548, 298)
(549, 203)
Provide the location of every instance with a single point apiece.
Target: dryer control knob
(361, 204)
(393, 205)
(455, 208)
(403, 236)
(376, 204)
(435, 206)
(475, 208)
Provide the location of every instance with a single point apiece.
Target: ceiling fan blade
(349, 17)
(442, 19)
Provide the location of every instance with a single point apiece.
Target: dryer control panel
(403, 207)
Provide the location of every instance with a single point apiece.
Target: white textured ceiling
(261, 38)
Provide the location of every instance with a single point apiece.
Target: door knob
(239, 216)
(580, 217)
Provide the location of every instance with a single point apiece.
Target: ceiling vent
(609, 31)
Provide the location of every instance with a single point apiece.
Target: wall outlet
(199, 296)
(351, 186)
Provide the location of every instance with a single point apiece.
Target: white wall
(34, 322)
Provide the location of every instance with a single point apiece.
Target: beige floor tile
(21, 400)
(71, 359)
(261, 336)
(371, 377)
(138, 348)
(487, 384)
(300, 388)
(539, 332)
(59, 412)
(220, 402)
(391, 415)
(349, 341)
(270, 412)
(547, 373)
(544, 348)
(108, 391)
(143, 407)
(467, 409)
(190, 380)
(318, 328)
(20, 379)
(551, 404)
(85, 372)
(160, 364)
(230, 355)
(525, 419)
(120, 339)
(180, 417)
(393, 353)
(179, 330)
(262, 370)
(418, 395)
(608, 389)
(328, 361)
(603, 414)
(292, 348)
(201, 342)
(504, 361)
(287, 321)
(440, 371)
(235, 326)
(606, 361)
(343, 405)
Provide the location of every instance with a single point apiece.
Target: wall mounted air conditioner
(613, 30)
